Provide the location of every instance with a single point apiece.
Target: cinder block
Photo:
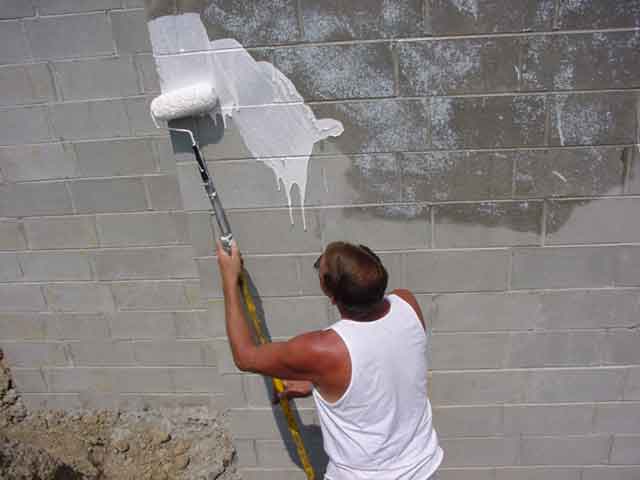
(597, 14)
(16, 9)
(15, 48)
(10, 268)
(156, 262)
(55, 266)
(74, 326)
(617, 418)
(23, 326)
(146, 67)
(466, 473)
(564, 450)
(557, 267)
(271, 231)
(610, 473)
(148, 325)
(560, 172)
(439, 67)
(548, 419)
(487, 224)
(592, 119)
(151, 295)
(29, 380)
(487, 122)
(101, 353)
(109, 195)
(378, 126)
(90, 120)
(76, 231)
(24, 84)
(79, 297)
(139, 402)
(12, 235)
(120, 230)
(439, 176)
(164, 192)
(457, 271)
(52, 7)
(139, 119)
(620, 347)
(201, 324)
(625, 450)
(581, 62)
(201, 236)
(43, 161)
(547, 349)
(21, 298)
(575, 385)
(272, 474)
(287, 317)
(310, 282)
(51, 401)
(469, 388)
(96, 78)
(378, 227)
(49, 36)
(34, 354)
(103, 380)
(130, 31)
(468, 421)
(489, 451)
(628, 268)
(248, 23)
(331, 72)
(175, 353)
(262, 424)
(246, 451)
(282, 453)
(537, 473)
(353, 179)
(24, 125)
(197, 380)
(361, 20)
(226, 364)
(456, 351)
(450, 17)
(632, 384)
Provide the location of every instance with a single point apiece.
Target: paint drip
(271, 116)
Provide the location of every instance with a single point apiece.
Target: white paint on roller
(275, 124)
(184, 102)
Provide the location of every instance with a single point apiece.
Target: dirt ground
(189, 443)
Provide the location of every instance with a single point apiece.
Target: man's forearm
(242, 343)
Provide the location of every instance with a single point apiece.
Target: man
(367, 372)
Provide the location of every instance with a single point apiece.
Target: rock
(121, 446)
(181, 446)
(159, 437)
(181, 462)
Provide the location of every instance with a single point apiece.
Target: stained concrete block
(597, 14)
(164, 192)
(632, 385)
(121, 230)
(78, 297)
(29, 380)
(35, 354)
(246, 21)
(554, 349)
(467, 421)
(628, 268)
(25, 84)
(610, 473)
(28, 199)
(146, 263)
(109, 195)
(43, 161)
(487, 224)
(581, 62)
(146, 67)
(55, 266)
(385, 228)
(620, 347)
(130, 31)
(331, 72)
(378, 126)
(487, 122)
(10, 268)
(272, 474)
(90, 120)
(175, 353)
(55, 401)
(76, 231)
(466, 452)
(21, 298)
(24, 125)
(262, 424)
(592, 119)
(23, 326)
(139, 118)
(288, 317)
(449, 17)
(52, 7)
(457, 271)
(593, 449)
(49, 38)
(193, 194)
(561, 172)
(12, 236)
(281, 453)
(548, 419)
(470, 388)
(96, 78)
(201, 233)
(197, 380)
(617, 418)
(15, 48)
(16, 9)
(201, 323)
(246, 450)
(575, 385)
(102, 380)
(439, 67)
(439, 176)
(467, 473)
(557, 267)
(538, 473)
(143, 325)
(458, 351)
(83, 326)
(151, 295)
(101, 353)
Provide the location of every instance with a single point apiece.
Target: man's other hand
(230, 264)
(294, 389)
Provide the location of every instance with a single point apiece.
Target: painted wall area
(489, 152)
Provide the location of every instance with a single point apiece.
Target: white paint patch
(559, 175)
(275, 124)
(559, 106)
(467, 6)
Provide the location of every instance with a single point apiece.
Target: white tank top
(381, 426)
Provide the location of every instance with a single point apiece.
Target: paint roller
(194, 100)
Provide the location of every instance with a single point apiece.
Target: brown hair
(355, 277)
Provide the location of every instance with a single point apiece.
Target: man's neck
(376, 313)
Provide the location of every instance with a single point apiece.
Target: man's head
(353, 277)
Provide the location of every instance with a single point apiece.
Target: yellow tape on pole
(278, 385)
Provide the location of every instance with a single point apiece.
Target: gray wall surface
(490, 154)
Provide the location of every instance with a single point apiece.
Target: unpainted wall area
(490, 153)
